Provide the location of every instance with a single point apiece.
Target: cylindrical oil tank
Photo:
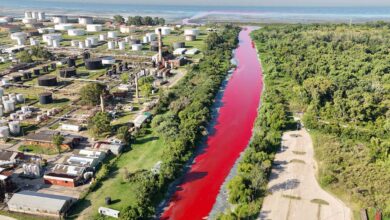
(4, 82)
(88, 43)
(4, 132)
(136, 47)
(4, 98)
(93, 40)
(45, 98)
(36, 72)
(191, 32)
(68, 72)
(145, 40)
(179, 45)
(71, 61)
(93, 64)
(82, 44)
(17, 78)
(111, 45)
(20, 98)
(121, 45)
(47, 80)
(9, 106)
(14, 127)
(190, 37)
(112, 34)
(25, 109)
(102, 37)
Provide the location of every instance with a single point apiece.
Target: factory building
(45, 139)
(108, 147)
(10, 28)
(65, 175)
(40, 204)
(94, 27)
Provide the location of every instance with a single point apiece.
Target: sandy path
(294, 191)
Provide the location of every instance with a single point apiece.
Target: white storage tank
(81, 44)
(111, 45)
(84, 20)
(58, 19)
(76, 32)
(49, 37)
(88, 43)
(20, 98)
(63, 27)
(25, 109)
(4, 132)
(151, 37)
(4, 98)
(4, 81)
(93, 40)
(94, 27)
(9, 106)
(20, 37)
(29, 20)
(112, 34)
(55, 43)
(27, 14)
(14, 127)
(164, 30)
(34, 15)
(121, 45)
(102, 37)
(194, 32)
(136, 47)
(41, 16)
(108, 60)
(145, 40)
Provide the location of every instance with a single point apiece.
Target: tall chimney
(102, 102)
(159, 46)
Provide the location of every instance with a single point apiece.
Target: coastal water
(196, 195)
(176, 13)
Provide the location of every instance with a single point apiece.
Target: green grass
(146, 152)
(38, 149)
(22, 216)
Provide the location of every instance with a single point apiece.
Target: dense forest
(181, 118)
(338, 76)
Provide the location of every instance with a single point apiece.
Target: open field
(145, 152)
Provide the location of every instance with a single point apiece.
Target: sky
(350, 3)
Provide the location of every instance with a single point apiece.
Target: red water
(196, 196)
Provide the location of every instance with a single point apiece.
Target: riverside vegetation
(338, 76)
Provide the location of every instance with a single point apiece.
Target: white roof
(140, 119)
(192, 51)
(179, 51)
(40, 201)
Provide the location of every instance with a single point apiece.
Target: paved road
(294, 191)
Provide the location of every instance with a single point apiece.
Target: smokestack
(102, 102)
(136, 86)
(159, 46)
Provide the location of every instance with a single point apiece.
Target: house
(40, 204)
(177, 62)
(83, 161)
(45, 139)
(70, 127)
(192, 51)
(9, 28)
(65, 175)
(9, 157)
(140, 119)
(179, 51)
(114, 148)
(92, 153)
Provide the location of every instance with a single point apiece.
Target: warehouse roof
(39, 201)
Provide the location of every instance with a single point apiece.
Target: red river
(232, 131)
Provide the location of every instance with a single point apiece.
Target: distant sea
(180, 13)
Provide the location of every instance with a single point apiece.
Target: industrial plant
(49, 153)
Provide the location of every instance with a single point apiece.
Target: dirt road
(294, 191)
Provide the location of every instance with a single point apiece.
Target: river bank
(229, 137)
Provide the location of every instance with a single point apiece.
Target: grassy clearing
(38, 149)
(146, 151)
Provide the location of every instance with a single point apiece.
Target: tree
(25, 57)
(148, 20)
(125, 78)
(58, 140)
(124, 135)
(119, 19)
(100, 124)
(90, 93)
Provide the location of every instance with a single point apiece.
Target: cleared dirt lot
(294, 191)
